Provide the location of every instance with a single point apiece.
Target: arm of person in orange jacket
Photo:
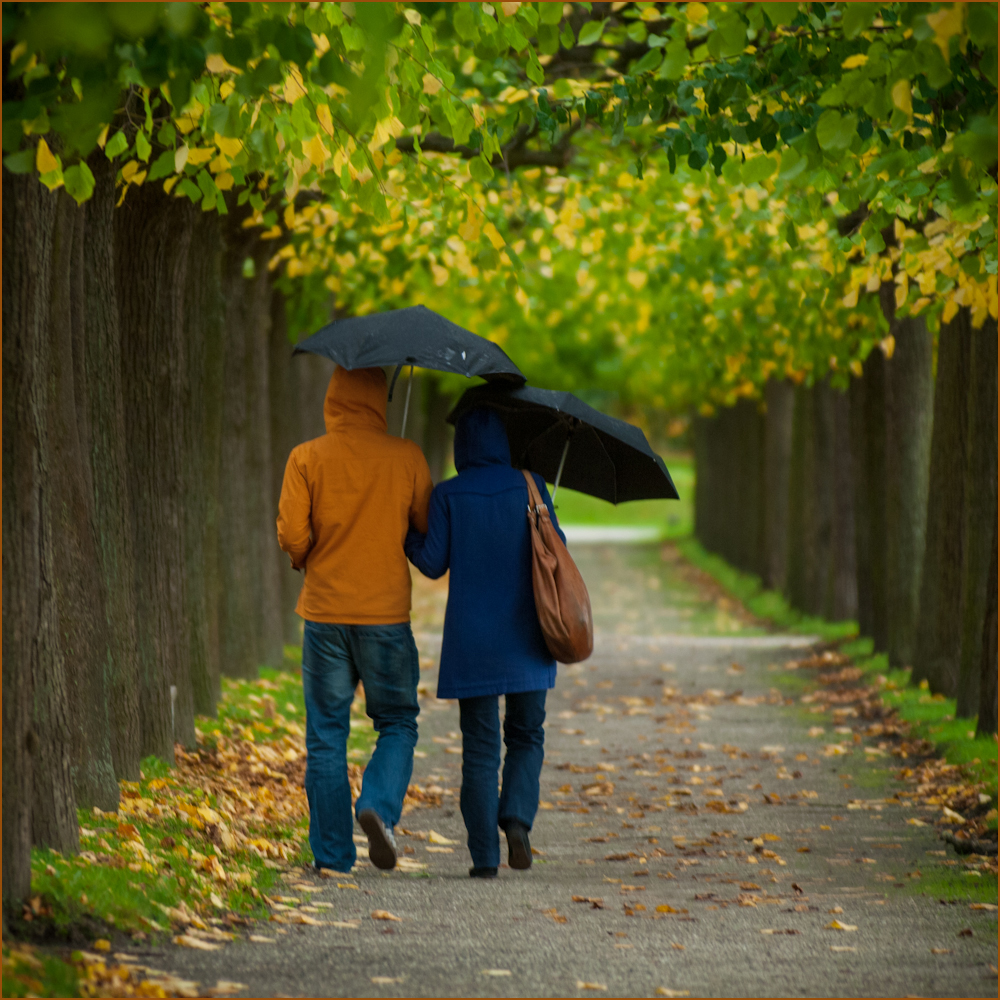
(422, 487)
(294, 514)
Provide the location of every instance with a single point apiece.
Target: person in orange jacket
(347, 502)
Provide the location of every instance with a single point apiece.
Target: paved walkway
(659, 754)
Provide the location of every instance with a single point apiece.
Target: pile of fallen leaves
(962, 807)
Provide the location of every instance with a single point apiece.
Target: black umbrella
(416, 336)
(564, 440)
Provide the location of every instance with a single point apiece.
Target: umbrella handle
(562, 462)
(406, 405)
(392, 384)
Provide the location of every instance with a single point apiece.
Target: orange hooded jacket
(347, 501)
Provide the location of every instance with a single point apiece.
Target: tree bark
(437, 438)
(909, 416)
(39, 801)
(842, 590)
(862, 506)
(153, 238)
(780, 398)
(286, 433)
(202, 445)
(109, 470)
(987, 724)
(801, 496)
(937, 650)
(707, 477)
(980, 511)
(77, 578)
(872, 565)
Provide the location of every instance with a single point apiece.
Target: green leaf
(551, 12)
(22, 162)
(979, 142)
(162, 166)
(534, 69)
(791, 236)
(782, 13)
(79, 181)
(835, 131)
(758, 169)
(855, 16)
(188, 187)
(480, 170)
(591, 32)
(650, 61)
(116, 145)
(142, 146)
(732, 34)
(676, 60)
(983, 24)
(566, 36)
(792, 164)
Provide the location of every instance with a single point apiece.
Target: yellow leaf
(102, 944)
(324, 118)
(946, 22)
(697, 13)
(948, 313)
(44, 160)
(902, 96)
(224, 182)
(853, 62)
(316, 151)
(103, 137)
(128, 172)
(431, 84)
(510, 9)
(836, 925)
(582, 984)
(231, 147)
(294, 88)
(663, 991)
(168, 185)
(216, 64)
(493, 235)
(888, 347)
(435, 838)
(289, 216)
(901, 292)
(220, 163)
(851, 299)
(197, 156)
(384, 915)
(180, 157)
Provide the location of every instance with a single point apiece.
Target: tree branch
(514, 154)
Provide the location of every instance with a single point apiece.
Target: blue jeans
(482, 810)
(334, 658)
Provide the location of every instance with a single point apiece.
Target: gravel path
(660, 751)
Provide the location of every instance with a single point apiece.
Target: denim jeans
(334, 658)
(482, 810)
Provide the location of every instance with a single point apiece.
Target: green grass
(33, 974)
(768, 605)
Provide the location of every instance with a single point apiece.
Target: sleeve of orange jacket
(422, 487)
(294, 513)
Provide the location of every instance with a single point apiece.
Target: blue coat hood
(481, 439)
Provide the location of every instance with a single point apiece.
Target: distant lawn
(675, 516)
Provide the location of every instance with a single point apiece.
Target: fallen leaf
(436, 838)
(496, 972)
(675, 945)
(192, 942)
(662, 991)
(386, 980)
(102, 944)
(770, 930)
(384, 915)
(842, 947)
(582, 984)
(555, 915)
(596, 902)
(836, 909)
(666, 908)
(348, 885)
(347, 925)
(836, 925)
(261, 939)
(982, 906)
(940, 951)
(224, 986)
(750, 886)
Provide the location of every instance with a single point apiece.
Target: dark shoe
(518, 846)
(482, 873)
(381, 842)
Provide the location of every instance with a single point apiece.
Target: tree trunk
(39, 801)
(153, 238)
(779, 397)
(938, 647)
(706, 483)
(980, 511)
(437, 437)
(202, 428)
(875, 566)
(862, 506)
(801, 495)
(842, 592)
(315, 373)
(109, 470)
(909, 416)
(286, 433)
(78, 579)
(987, 724)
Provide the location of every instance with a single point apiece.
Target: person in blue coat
(493, 645)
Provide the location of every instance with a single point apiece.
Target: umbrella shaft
(562, 462)
(406, 405)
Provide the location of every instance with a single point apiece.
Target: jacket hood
(480, 439)
(356, 398)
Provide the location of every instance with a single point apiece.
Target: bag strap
(534, 497)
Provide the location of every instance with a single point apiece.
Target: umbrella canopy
(414, 336)
(564, 440)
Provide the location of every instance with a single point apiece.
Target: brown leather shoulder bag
(561, 597)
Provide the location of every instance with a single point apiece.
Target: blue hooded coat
(478, 529)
